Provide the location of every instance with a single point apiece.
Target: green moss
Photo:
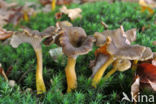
(23, 58)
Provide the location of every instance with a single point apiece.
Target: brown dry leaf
(58, 15)
(64, 2)
(58, 2)
(147, 74)
(6, 5)
(5, 34)
(154, 43)
(72, 13)
(148, 5)
(153, 85)
(45, 2)
(135, 87)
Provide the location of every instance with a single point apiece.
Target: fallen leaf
(150, 10)
(147, 5)
(147, 75)
(58, 15)
(64, 2)
(135, 88)
(72, 13)
(45, 2)
(5, 34)
(154, 43)
(153, 85)
(9, 70)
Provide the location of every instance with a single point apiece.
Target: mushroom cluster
(116, 45)
(114, 48)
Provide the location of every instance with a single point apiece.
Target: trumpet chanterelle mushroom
(34, 38)
(114, 45)
(74, 42)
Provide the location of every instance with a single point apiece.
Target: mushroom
(34, 38)
(118, 65)
(116, 46)
(131, 35)
(74, 42)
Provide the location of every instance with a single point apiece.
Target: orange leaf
(102, 50)
(144, 8)
(146, 71)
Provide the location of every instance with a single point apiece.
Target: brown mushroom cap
(131, 35)
(74, 41)
(63, 24)
(119, 48)
(32, 37)
(148, 54)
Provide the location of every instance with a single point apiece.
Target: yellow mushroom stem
(25, 16)
(39, 78)
(134, 66)
(53, 5)
(96, 79)
(4, 75)
(70, 74)
(111, 72)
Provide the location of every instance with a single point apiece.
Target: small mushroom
(118, 65)
(12, 83)
(115, 45)
(34, 38)
(74, 42)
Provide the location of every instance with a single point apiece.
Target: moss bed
(23, 59)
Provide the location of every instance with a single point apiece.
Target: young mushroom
(115, 45)
(118, 65)
(74, 42)
(34, 38)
